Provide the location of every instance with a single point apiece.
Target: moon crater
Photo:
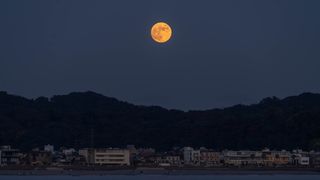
(161, 32)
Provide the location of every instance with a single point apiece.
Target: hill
(89, 119)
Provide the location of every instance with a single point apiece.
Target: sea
(167, 177)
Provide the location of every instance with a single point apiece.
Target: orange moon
(161, 32)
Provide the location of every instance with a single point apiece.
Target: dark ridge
(70, 120)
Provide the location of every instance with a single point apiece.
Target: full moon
(161, 32)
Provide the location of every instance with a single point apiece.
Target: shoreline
(157, 171)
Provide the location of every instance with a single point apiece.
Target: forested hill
(82, 119)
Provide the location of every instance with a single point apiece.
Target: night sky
(222, 53)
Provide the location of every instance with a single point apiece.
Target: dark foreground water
(166, 177)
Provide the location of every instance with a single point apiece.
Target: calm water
(164, 177)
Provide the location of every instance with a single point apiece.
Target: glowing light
(161, 32)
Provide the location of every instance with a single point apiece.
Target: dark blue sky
(223, 52)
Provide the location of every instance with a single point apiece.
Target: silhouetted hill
(71, 120)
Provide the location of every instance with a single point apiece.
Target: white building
(84, 153)
(187, 155)
(196, 157)
(242, 158)
(69, 151)
(49, 148)
(300, 157)
(9, 156)
(191, 156)
(304, 161)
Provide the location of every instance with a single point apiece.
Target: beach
(160, 171)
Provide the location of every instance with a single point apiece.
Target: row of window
(110, 155)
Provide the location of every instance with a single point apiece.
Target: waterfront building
(49, 148)
(167, 160)
(191, 156)
(210, 158)
(304, 161)
(315, 159)
(38, 158)
(106, 156)
(9, 156)
(84, 153)
(242, 158)
(187, 155)
(276, 158)
(69, 151)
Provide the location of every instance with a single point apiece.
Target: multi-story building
(187, 155)
(315, 159)
(49, 148)
(300, 157)
(38, 158)
(106, 156)
(304, 161)
(276, 158)
(167, 160)
(68, 151)
(210, 158)
(9, 156)
(196, 157)
(112, 156)
(174, 160)
(191, 156)
(242, 158)
(84, 153)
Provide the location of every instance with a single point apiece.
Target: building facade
(210, 158)
(106, 156)
(9, 156)
(49, 148)
(191, 156)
